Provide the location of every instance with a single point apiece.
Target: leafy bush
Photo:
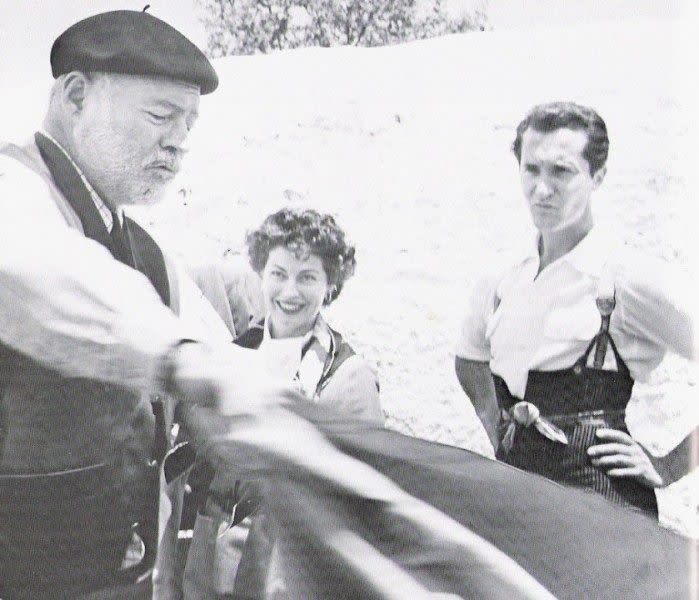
(253, 26)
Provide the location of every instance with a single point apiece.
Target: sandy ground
(409, 147)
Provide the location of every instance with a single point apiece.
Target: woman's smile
(290, 308)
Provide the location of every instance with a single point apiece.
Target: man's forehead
(562, 142)
(156, 90)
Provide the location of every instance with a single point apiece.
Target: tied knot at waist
(526, 414)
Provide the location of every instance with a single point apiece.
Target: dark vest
(78, 458)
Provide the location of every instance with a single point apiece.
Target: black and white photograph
(349, 299)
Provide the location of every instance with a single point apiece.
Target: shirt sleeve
(471, 342)
(65, 302)
(658, 303)
(233, 289)
(204, 307)
(354, 390)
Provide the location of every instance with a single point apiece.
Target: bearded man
(89, 340)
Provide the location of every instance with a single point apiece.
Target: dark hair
(557, 115)
(305, 232)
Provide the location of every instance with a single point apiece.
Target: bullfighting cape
(364, 512)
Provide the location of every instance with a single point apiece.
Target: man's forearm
(477, 381)
(680, 461)
(66, 303)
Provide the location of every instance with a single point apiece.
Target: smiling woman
(303, 260)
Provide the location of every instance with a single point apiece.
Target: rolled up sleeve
(471, 340)
(658, 303)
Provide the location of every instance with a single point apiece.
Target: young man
(556, 341)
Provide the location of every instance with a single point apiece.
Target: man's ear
(74, 90)
(598, 177)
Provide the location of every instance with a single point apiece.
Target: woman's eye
(307, 278)
(560, 170)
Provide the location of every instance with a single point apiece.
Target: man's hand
(621, 456)
(224, 395)
(228, 379)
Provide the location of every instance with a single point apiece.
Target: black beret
(131, 42)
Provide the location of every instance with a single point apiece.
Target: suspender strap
(606, 301)
(605, 306)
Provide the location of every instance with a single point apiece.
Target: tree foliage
(253, 26)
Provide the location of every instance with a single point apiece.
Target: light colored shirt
(197, 313)
(520, 321)
(233, 289)
(284, 358)
(64, 300)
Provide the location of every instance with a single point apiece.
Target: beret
(134, 43)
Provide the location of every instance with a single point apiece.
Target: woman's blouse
(281, 357)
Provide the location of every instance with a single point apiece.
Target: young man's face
(556, 178)
(129, 135)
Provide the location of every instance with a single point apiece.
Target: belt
(526, 414)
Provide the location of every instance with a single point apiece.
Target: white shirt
(281, 356)
(518, 321)
(197, 313)
(64, 300)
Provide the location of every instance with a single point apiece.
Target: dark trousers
(139, 590)
(64, 535)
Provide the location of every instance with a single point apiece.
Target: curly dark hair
(305, 232)
(557, 115)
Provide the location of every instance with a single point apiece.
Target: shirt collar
(104, 211)
(589, 256)
(320, 333)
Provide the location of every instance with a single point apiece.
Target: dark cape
(343, 544)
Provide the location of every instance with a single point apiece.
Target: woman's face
(293, 290)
